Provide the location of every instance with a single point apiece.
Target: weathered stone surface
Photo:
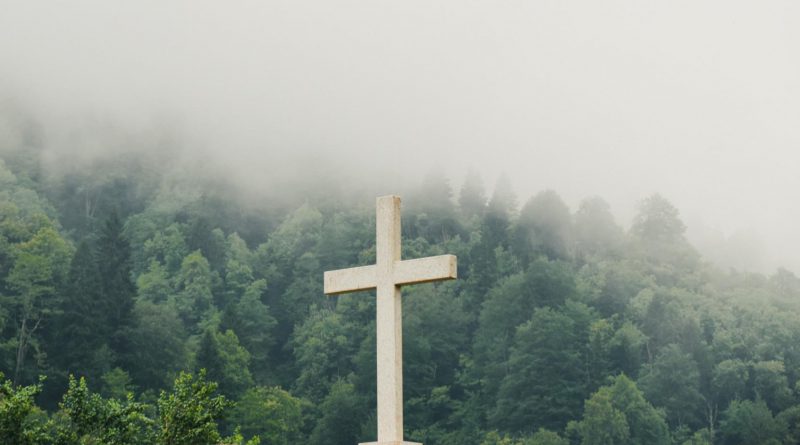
(386, 276)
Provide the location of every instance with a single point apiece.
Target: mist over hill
(619, 100)
(148, 267)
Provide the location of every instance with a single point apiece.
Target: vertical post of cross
(389, 321)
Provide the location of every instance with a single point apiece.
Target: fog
(699, 101)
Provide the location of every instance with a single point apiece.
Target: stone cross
(387, 275)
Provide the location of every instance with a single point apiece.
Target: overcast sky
(697, 100)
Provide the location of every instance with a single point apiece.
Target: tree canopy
(145, 304)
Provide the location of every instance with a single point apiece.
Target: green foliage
(702, 437)
(270, 413)
(673, 382)
(158, 345)
(116, 384)
(154, 285)
(225, 361)
(340, 422)
(114, 261)
(17, 411)
(193, 300)
(40, 268)
(545, 437)
(168, 247)
(541, 437)
(750, 422)
(472, 197)
(87, 418)
(253, 323)
(771, 385)
(546, 380)
(544, 227)
(510, 304)
(619, 414)
(596, 233)
(81, 327)
(729, 380)
(189, 414)
(322, 347)
(657, 220)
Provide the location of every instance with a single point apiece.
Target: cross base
(390, 443)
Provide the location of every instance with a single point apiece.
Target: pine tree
(472, 198)
(80, 330)
(114, 261)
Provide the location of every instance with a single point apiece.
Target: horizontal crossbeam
(422, 270)
(425, 270)
(350, 280)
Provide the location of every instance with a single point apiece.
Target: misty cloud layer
(699, 101)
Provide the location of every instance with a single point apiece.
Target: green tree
(545, 437)
(154, 285)
(494, 438)
(662, 247)
(546, 381)
(344, 235)
(609, 285)
(194, 299)
(87, 418)
(431, 213)
(189, 414)
(771, 385)
(472, 197)
(116, 384)
(253, 323)
(114, 260)
(168, 247)
(596, 233)
(542, 437)
(503, 202)
(729, 381)
(602, 423)
(288, 263)
(270, 413)
(17, 414)
(490, 238)
(225, 361)
(510, 304)
(210, 241)
(158, 345)
(791, 418)
(672, 381)
(40, 268)
(750, 422)
(658, 220)
(342, 411)
(80, 330)
(618, 414)
(702, 437)
(323, 348)
(544, 227)
(238, 276)
(627, 349)
(437, 329)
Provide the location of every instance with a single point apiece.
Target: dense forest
(142, 302)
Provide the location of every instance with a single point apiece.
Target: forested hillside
(562, 328)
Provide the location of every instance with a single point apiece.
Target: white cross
(387, 275)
